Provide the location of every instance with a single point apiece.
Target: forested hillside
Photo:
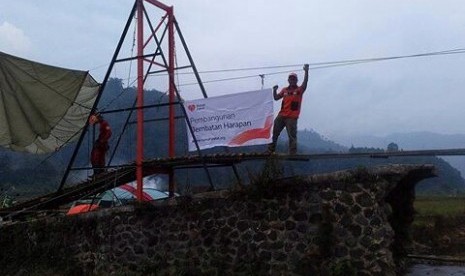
(26, 175)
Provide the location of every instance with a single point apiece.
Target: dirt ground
(439, 235)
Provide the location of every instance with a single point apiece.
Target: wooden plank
(126, 173)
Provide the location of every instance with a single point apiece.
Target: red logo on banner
(191, 107)
(255, 133)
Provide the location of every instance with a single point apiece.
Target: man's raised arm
(304, 83)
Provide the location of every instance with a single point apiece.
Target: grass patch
(439, 206)
(429, 208)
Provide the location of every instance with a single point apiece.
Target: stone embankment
(330, 224)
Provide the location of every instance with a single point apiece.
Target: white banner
(235, 120)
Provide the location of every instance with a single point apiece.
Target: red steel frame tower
(167, 65)
(140, 89)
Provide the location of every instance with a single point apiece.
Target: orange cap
(293, 75)
(93, 119)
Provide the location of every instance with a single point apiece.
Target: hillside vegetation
(27, 175)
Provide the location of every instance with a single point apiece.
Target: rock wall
(341, 223)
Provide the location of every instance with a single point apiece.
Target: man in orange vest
(290, 110)
(100, 148)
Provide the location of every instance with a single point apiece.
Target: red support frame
(140, 100)
(172, 96)
(168, 65)
(141, 44)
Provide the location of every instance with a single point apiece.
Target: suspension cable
(320, 65)
(313, 66)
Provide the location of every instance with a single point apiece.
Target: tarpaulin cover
(42, 107)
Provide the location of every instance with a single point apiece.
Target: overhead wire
(314, 65)
(318, 65)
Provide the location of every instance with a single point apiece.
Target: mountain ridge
(419, 140)
(47, 170)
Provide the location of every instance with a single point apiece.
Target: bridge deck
(117, 176)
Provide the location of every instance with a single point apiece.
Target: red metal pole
(171, 79)
(171, 66)
(140, 100)
(159, 5)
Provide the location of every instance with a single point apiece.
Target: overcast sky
(417, 94)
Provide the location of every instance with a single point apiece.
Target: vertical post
(171, 65)
(140, 100)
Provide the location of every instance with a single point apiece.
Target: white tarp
(235, 120)
(42, 107)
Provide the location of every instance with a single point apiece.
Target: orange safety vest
(292, 99)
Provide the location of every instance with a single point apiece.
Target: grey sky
(421, 94)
